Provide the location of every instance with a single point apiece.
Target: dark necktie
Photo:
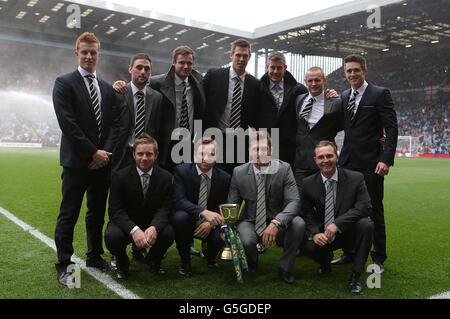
(236, 101)
(184, 116)
(329, 203)
(140, 115)
(145, 178)
(260, 220)
(203, 192)
(95, 103)
(351, 106)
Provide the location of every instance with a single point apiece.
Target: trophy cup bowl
(230, 213)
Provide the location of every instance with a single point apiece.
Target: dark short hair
(324, 144)
(260, 135)
(182, 50)
(276, 56)
(240, 43)
(87, 37)
(140, 56)
(145, 138)
(205, 141)
(356, 58)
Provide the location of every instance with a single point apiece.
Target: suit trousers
(184, 226)
(289, 238)
(117, 240)
(358, 238)
(75, 182)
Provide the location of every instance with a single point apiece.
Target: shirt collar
(179, 81)
(142, 173)
(83, 72)
(208, 173)
(334, 177)
(233, 74)
(318, 98)
(134, 89)
(280, 84)
(361, 89)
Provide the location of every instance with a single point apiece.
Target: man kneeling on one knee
(272, 205)
(335, 205)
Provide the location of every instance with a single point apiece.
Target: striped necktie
(236, 101)
(145, 178)
(304, 114)
(203, 192)
(329, 202)
(184, 116)
(351, 106)
(277, 95)
(260, 222)
(95, 103)
(140, 115)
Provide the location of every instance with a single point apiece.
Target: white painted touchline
(444, 295)
(97, 274)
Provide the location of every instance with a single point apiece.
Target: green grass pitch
(417, 217)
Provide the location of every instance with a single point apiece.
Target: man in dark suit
(272, 205)
(319, 118)
(232, 97)
(140, 110)
(199, 189)
(277, 108)
(183, 100)
(86, 110)
(369, 113)
(139, 208)
(335, 205)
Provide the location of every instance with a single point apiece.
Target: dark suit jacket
(128, 118)
(325, 129)
(187, 185)
(215, 84)
(127, 206)
(284, 119)
(75, 114)
(352, 201)
(282, 199)
(362, 147)
(165, 84)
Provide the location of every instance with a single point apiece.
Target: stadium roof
(335, 31)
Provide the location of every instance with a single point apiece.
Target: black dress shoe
(113, 262)
(63, 277)
(97, 262)
(286, 276)
(354, 284)
(379, 268)
(185, 270)
(325, 269)
(343, 260)
(122, 273)
(213, 264)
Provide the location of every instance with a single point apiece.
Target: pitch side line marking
(97, 274)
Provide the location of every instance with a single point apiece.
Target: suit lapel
(340, 191)
(84, 90)
(168, 88)
(148, 106)
(130, 103)
(153, 183)
(213, 189)
(136, 184)
(251, 180)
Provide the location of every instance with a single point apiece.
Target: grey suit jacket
(128, 118)
(282, 198)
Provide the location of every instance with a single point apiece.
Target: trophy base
(226, 254)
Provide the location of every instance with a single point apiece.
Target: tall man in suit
(139, 208)
(232, 97)
(199, 189)
(319, 118)
(272, 205)
(183, 100)
(86, 110)
(277, 108)
(141, 110)
(335, 205)
(369, 113)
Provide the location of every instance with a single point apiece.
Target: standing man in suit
(277, 108)
(272, 205)
(369, 114)
(141, 109)
(183, 100)
(232, 97)
(139, 208)
(319, 118)
(199, 189)
(86, 110)
(335, 205)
